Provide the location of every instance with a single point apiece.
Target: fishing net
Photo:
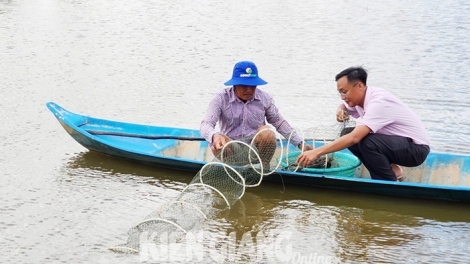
(219, 184)
(336, 163)
(216, 186)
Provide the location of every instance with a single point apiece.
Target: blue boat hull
(444, 176)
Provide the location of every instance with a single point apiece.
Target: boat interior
(439, 168)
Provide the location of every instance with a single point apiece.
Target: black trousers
(378, 151)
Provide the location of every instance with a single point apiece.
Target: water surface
(159, 62)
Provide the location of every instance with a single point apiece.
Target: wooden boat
(443, 176)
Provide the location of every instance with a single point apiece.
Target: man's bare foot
(398, 171)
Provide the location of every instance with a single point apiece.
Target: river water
(159, 62)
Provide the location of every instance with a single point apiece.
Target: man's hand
(218, 141)
(304, 146)
(342, 114)
(307, 157)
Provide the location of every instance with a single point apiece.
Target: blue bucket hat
(245, 73)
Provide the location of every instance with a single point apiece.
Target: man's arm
(307, 157)
(208, 123)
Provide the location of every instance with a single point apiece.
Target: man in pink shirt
(387, 134)
(242, 110)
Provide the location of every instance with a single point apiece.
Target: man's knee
(266, 133)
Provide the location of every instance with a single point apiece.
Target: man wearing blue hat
(242, 110)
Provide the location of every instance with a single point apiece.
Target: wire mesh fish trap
(222, 182)
(216, 186)
(337, 163)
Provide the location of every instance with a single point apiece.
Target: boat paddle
(122, 134)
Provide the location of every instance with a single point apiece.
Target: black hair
(354, 74)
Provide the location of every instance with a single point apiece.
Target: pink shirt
(238, 119)
(385, 114)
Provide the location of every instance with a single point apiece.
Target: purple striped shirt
(238, 119)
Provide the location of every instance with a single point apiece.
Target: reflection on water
(374, 236)
(343, 226)
(95, 164)
(91, 205)
(358, 232)
(369, 228)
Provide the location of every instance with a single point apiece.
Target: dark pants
(378, 151)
